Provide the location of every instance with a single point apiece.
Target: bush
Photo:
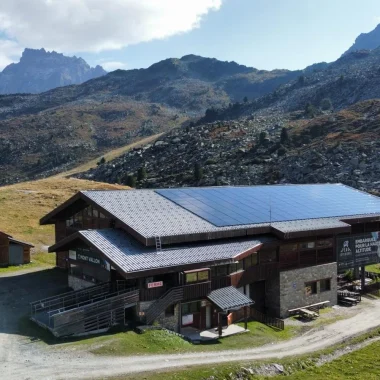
(101, 161)
(326, 104)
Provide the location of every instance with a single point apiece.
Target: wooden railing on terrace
(256, 315)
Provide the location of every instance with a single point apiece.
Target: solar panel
(230, 206)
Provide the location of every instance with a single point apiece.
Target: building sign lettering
(358, 250)
(85, 255)
(156, 284)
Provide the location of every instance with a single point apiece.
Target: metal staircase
(172, 296)
(96, 310)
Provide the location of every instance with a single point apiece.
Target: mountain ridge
(39, 70)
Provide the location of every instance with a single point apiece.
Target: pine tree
(141, 173)
(198, 172)
(284, 135)
(131, 181)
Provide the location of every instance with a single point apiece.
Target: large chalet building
(189, 256)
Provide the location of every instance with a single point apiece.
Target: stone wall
(169, 322)
(77, 283)
(292, 287)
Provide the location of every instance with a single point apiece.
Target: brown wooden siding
(4, 250)
(26, 255)
(62, 259)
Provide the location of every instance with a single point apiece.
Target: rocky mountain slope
(40, 70)
(366, 41)
(61, 127)
(67, 125)
(335, 147)
(352, 78)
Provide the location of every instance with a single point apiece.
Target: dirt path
(20, 359)
(108, 156)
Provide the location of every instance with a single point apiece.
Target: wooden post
(245, 318)
(219, 325)
(363, 278)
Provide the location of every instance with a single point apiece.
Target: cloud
(9, 52)
(96, 25)
(113, 65)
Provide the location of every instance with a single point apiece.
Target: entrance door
(208, 317)
(257, 294)
(16, 254)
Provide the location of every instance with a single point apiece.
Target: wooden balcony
(196, 291)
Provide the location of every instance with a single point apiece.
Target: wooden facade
(13, 252)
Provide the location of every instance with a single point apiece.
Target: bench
(308, 313)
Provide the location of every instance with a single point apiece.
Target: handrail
(90, 301)
(71, 292)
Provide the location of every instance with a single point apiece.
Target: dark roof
(145, 213)
(12, 240)
(131, 256)
(229, 298)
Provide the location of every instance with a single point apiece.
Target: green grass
(38, 260)
(373, 268)
(362, 364)
(158, 341)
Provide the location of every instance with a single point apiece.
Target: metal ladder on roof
(157, 239)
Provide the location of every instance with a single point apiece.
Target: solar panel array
(230, 206)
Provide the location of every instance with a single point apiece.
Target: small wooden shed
(13, 251)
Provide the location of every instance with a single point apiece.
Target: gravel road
(22, 359)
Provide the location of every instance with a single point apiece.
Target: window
(236, 267)
(203, 276)
(190, 307)
(268, 256)
(95, 213)
(221, 270)
(325, 285)
(326, 243)
(289, 248)
(196, 276)
(307, 245)
(191, 277)
(310, 288)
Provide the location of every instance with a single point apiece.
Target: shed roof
(229, 298)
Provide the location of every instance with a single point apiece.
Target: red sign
(156, 284)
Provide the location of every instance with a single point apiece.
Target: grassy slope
(22, 205)
(156, 341)
(362, 364)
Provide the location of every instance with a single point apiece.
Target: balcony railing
(195, 291)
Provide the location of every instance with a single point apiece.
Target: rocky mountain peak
(40, 70)
(366, 41)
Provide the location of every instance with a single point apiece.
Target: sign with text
(156, 284)
(87, 256)
(358, 250)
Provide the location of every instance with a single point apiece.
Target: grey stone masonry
(293, 292)
(77, 283)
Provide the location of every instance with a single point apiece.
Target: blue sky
(265, 34)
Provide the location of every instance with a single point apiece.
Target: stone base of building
(77, 283)
(294, 290)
